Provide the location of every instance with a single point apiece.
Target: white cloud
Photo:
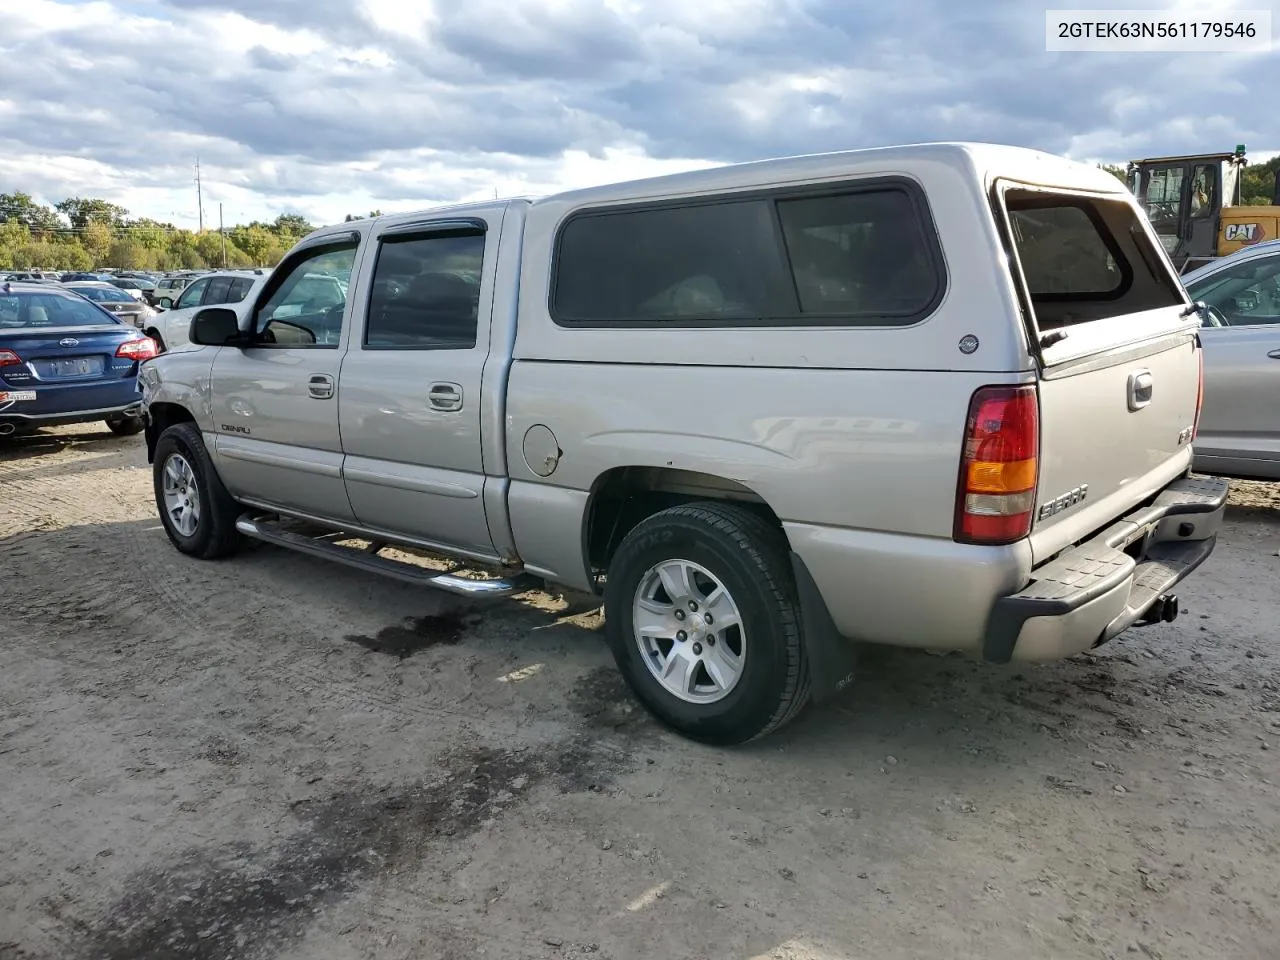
(327, 107)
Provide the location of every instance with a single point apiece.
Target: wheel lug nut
(693, 605)
(682, 636)
(711, 641)
(697, 649)
(679, 614)
(706, 618)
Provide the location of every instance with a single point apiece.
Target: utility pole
(224, 237)
(199, 196)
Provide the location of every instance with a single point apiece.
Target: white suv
(224, 288)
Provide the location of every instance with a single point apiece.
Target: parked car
(76, 277)
(169, 328)
(64, 359)
(170, 287)
(138, 289)
(937, 396)
(1240, 429)
(116, 301)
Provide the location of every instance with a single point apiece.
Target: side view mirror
(166, 303)
(215, 327)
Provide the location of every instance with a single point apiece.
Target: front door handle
(1141, 387)
(1274, 354)
(445, 396)
(320, 386)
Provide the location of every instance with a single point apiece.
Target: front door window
(306, 309)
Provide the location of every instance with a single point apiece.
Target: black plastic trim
(832, 657)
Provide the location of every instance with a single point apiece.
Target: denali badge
(233, 428)
(1064, 502)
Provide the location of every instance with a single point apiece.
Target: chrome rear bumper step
(270, 531)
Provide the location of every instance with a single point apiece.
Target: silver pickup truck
(938, 396)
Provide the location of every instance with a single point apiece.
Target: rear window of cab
(864, 255)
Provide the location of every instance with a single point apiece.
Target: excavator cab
(1184, 198)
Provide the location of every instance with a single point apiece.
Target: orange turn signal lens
(1013, 477)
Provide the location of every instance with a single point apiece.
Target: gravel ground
(275, 756)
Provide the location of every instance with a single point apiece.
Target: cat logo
(1243, 233)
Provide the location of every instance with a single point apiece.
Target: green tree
(129, 254)
(81, 211)
(150, 233)
(97, 239)
(73, 256)
(1257, 186)
(14, 234)
(256, 241)
(36, 217)
(293, 225)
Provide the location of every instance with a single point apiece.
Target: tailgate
(1119, 358)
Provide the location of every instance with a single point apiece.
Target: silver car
(1239, 432)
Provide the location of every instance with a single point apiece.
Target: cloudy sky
(328, 107)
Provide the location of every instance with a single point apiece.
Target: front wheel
(197, 512)
(703, 621)
(126, 427)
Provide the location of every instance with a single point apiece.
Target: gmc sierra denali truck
(939, 396)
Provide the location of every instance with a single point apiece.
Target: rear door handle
(1274, 354)
(445, 396)
(1141, 387)
(320, 386)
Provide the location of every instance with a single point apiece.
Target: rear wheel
(702, 617)
(197, 512)
(126, 427)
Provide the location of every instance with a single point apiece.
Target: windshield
(25, 311)
(1245, 294)
(102, 295)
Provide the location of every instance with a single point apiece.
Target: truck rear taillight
(143, 349)
(8, 358)
(1195, 424)
(999, 467)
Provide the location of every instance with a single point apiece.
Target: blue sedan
(64, 359)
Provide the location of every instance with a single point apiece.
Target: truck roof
(986, 160)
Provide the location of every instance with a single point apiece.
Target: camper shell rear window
(1085, 258)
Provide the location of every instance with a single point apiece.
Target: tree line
(86, 233)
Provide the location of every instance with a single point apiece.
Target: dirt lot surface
(277, 757)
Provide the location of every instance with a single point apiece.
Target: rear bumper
(133, 409)
(1097, 589)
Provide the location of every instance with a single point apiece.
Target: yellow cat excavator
(1194, 204)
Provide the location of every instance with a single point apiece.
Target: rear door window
(426, 292)
(219, 290)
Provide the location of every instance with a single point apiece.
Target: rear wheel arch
(623, 497)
